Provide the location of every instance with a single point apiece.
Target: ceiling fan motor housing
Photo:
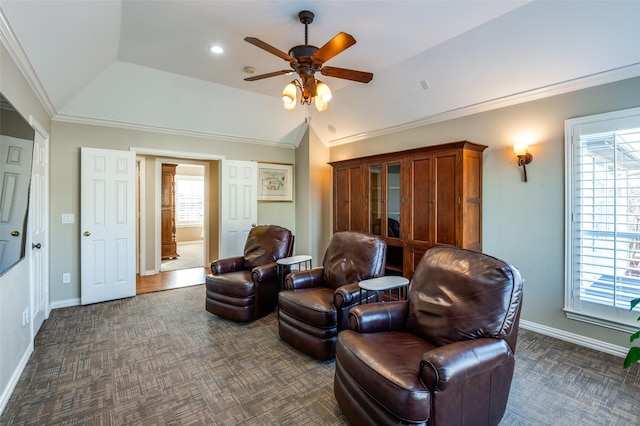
(306, 17)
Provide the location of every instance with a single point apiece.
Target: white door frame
(141, 211)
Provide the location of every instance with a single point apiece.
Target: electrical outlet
(27, 314)
(66, 278)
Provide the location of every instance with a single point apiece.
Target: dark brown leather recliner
(245, 288)
(315, 303)
(443, 357)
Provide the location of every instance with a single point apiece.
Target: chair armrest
(230, 264)
(304, 279)
(264, 272)
(346, 295)
(379, 317)
(455, 363)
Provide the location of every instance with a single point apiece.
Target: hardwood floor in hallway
(170, 280)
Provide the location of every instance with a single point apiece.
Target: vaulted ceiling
(147, 63)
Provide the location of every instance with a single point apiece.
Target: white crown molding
(167, 130)
(18, 55)
(586, 82)
(175, 154)
(577, 339)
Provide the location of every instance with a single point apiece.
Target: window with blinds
(603, 218)
(189, 200)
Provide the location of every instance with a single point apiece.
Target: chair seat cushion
(234, 284)
(387, 366)
(310, 305)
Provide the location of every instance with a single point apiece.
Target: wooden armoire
(168, 212)
(414, 199)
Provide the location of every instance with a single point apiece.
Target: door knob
(15, 233)
(36, 246)
(87, 233)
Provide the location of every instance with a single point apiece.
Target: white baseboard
(65, 303)
(11, 385)
(587, 342)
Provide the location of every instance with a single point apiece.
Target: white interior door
(108, 225)
(238, 205)
(39, 229)
(15, 155)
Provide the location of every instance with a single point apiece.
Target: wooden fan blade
(271, 74)
(269, 48)
(347, 74)
(337, 44)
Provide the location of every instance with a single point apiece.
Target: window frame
(191, 223)
(574, 306)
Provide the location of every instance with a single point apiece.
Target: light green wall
(523, 223)
(66, 140)
(313, 198)
(15, 339)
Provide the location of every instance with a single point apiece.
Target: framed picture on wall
(275, 182)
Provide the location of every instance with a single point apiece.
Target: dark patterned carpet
(161, 359)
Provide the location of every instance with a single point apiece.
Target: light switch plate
(68, 218)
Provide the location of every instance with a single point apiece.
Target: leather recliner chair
(445, 356)
(314, 305)
(245, 288)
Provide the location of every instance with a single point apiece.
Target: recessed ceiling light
(216, 49)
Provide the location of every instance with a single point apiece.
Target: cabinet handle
(432, 201)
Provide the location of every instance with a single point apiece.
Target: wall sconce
(524, 158)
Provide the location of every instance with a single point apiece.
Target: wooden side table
(386, 283)
(299, 261)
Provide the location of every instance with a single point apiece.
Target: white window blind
(189, 200)
(603, 218)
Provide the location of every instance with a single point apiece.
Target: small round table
(299, 260)
(385, 283)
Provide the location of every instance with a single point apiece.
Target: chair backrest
(458, 294)
(266, 244)
(353, 257)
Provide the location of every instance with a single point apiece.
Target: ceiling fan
(306, 60)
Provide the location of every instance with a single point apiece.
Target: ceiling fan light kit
(306, 60)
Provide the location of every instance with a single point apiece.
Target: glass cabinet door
(375, 199)
(393, 206)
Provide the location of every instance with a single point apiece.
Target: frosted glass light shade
(520, 149)
(323, 92)
(320, 105)
(289, 94)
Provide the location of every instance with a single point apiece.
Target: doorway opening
(149, 226)
(182, 215)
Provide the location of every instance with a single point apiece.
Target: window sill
(590, 319)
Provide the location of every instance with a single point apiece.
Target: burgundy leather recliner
(315, 303)
(245, 288)
(443, 357)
